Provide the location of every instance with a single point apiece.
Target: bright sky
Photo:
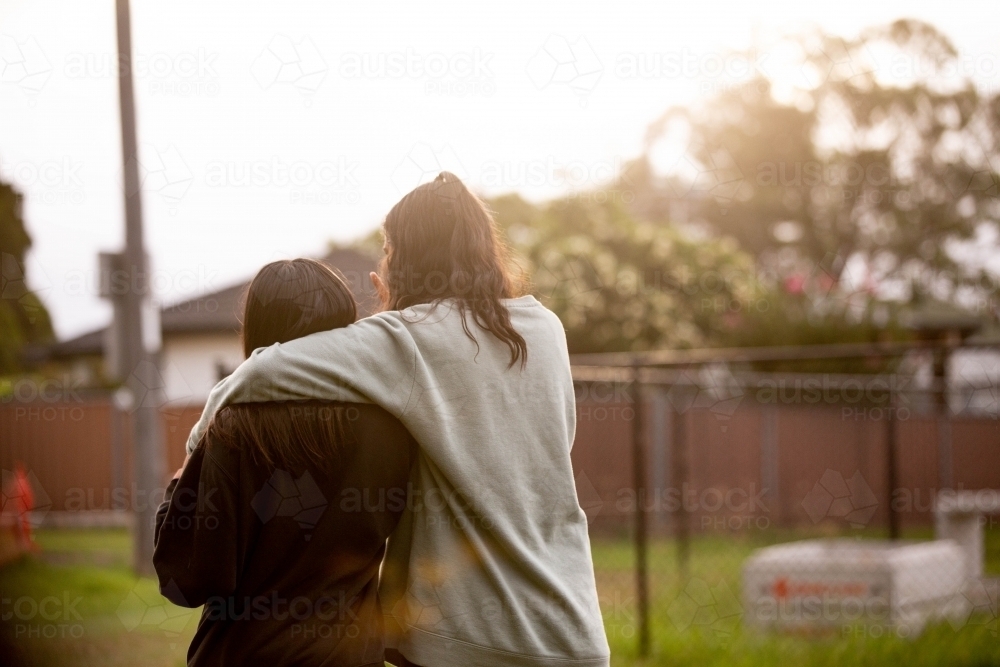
(269, 128)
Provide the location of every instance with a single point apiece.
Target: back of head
(441, 243)
(292, 298)
(289, 299)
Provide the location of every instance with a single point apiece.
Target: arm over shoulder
(369, 361)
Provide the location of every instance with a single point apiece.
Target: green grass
(716, 636)
(115, 618)
(85, 579)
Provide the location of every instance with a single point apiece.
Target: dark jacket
(285, 561)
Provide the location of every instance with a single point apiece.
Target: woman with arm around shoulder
(491, 562)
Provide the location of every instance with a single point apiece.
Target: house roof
(220, 311)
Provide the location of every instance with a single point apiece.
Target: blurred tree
(370, 244)
(619, 284)
(23, 318)
(865, 178)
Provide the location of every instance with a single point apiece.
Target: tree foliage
(620, 284)
(856, 169)
(23, 318)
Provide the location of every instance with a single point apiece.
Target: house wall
(190, 364)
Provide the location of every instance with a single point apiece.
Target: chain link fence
(730, 504)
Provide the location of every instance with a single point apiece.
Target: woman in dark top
(277, 523)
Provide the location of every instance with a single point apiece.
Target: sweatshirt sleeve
(197, 532)
(370, 361)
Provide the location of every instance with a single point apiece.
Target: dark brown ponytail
(441, 243)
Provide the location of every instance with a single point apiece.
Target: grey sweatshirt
(491, 562)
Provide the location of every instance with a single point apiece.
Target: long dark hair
(441, 243)
(287, 300)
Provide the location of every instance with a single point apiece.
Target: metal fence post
(660, 425)
(943, 413)
(891, 473)
(680, 470)
(639, 482)
(769, 471)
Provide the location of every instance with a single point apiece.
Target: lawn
(684, 634)
(77, 603)
(95, 611)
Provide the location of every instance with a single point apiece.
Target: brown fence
(775, 466)
(79, 452)
(760, 466)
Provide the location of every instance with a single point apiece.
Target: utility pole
(139, 335)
